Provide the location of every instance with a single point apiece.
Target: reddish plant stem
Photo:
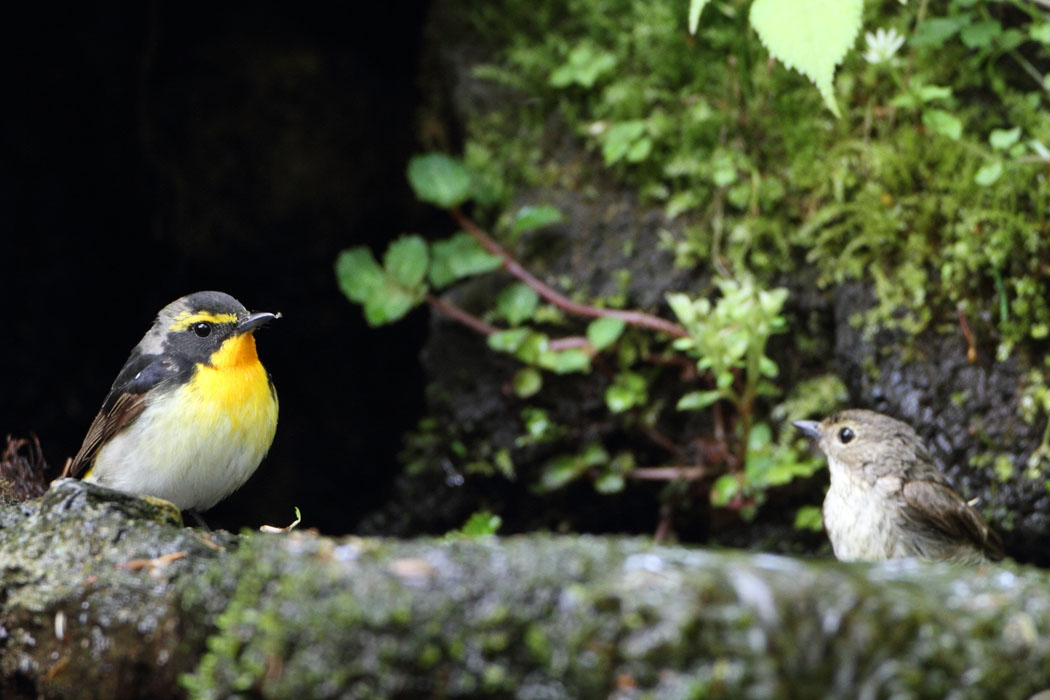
(669, 473)
(476, 324)
(570, 342)
(511, 265)
(467, 319)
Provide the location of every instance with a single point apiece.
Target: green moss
(728, 141)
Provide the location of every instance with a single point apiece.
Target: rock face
(104, 595)
(613, 244)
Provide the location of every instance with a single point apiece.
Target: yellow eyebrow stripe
(185, 319)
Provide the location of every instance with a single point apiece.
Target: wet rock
(105, 595)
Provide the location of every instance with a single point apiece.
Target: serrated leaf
(811, 36)
(480, 524)
(405, 261)
(458, 257)
(682, 306)
(517, 303)
(529, 218)
(439, 180)
(603, 332)
(695, 8)
(696, 400)
(358, 274)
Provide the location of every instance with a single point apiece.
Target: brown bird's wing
(124, 403)
(932, 505)
(125, 409)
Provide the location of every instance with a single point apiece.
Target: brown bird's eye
(202, 329)
(845, 435)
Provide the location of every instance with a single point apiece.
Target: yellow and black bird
(193, 411)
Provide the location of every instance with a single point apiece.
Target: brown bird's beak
(810, 427)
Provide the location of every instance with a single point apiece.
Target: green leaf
(405, 261)
(760, 436)
(584, 65)
(565, 361)
(929, 93)
(603, 332)
(517, 303)
(724, 489)
(439, 180)
(560, 471)
(534, 350)
(943, 123)
(937, 30)
(529, 218)
(696, 400)
(508, 341)
(458, 257)
(1001, 139)
(809, 518)
(811, 36)
(639, 150)
(389, 302)
(980, 34)
(620, 138)
(695, 8)
(628, 390)
(989, 173)
(527, 382)
(480, 524)
(358, 273)
(682, 306)
(610, 482)
(1040, 32)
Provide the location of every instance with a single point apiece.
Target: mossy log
(106, 595)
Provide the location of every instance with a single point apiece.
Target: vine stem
(476, 324)
(467, 319)
(511, 265)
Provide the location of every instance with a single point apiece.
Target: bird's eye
(202, 329)
(845, 435)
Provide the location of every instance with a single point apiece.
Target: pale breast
(860, 521)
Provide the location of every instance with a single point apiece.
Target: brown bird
(887, 499)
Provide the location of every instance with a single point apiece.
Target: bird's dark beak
(253, 321)
(810, 427)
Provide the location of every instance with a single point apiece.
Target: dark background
(150, 151)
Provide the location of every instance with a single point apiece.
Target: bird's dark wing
(934, 505)
(125, 401)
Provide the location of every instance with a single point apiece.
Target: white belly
(859, 522)
(194, 456)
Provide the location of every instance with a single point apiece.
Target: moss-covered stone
(89, 609)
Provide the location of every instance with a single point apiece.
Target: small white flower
(882, 45)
